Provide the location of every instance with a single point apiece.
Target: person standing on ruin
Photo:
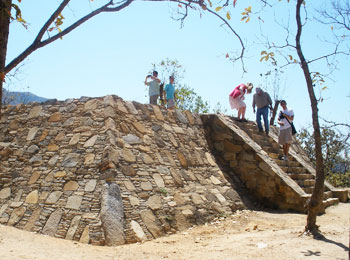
(263, 102)
(170, 94)
(236, 98)
(153, 90)
(285, 137)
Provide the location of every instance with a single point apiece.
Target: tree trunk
(5, 9)
(274, 112)
(315, 202)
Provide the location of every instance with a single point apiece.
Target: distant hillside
(16, 97)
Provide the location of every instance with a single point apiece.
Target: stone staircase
(293, 168)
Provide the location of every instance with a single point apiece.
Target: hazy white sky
(113, 52)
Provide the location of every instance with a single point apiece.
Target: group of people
(263, 102)
(154, 90)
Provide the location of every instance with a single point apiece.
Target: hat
(258, 90)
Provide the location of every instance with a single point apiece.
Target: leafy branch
(57, 16)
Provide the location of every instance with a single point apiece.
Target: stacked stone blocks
(63, 163)
(246, 160)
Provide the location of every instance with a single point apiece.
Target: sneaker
(281, 157)
(244, 120)
(285, 158)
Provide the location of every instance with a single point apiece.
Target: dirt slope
(246, 235)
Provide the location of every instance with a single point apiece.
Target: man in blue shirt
(170, 94)
(153, 90)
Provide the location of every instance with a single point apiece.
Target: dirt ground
(245, 235)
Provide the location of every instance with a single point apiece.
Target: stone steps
(297, 176)
(327, 195)
(330, 202)
(305, 182)
(290, 163)
(308, 190)
(297, 170)
(291, 167)
(271, 149)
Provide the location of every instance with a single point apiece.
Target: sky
(113, 52)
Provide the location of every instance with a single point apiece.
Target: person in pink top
(236, 98)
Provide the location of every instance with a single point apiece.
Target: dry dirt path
(246, 235)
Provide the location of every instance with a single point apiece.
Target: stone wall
(106, 171)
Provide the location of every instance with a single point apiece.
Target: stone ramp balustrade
(236, 151)
(295, 166)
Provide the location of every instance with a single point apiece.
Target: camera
(148, 76)
(280, 116)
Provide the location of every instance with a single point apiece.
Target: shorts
(285, 136)
(170, 103)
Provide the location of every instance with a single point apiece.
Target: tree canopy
(336, 152)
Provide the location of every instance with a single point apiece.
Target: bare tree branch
(338, 16)
(110, 6)
(241, 56)
(50, 21)
(38, 43)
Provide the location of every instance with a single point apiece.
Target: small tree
(167, 68)
(312, 80)
(187, 99)
(335, 152)
(219, 109)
